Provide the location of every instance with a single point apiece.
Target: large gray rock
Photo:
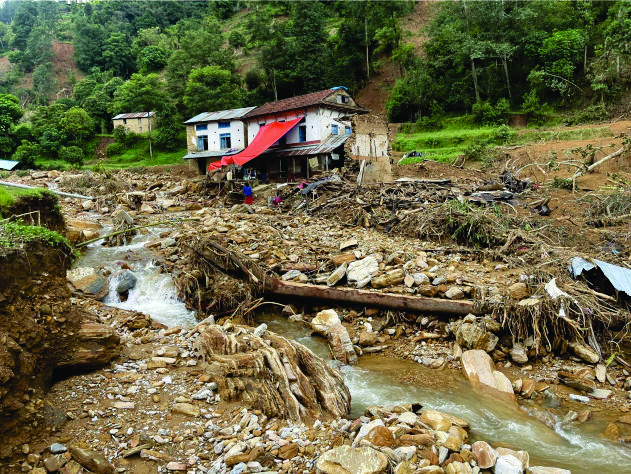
(480, 370)
(474, 336)
(362, 270)
(508, 464)
(518, 353)
(125, 281)
(347, 460)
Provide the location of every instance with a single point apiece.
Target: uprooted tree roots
(218, 281)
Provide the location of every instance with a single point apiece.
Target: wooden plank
(369, 298)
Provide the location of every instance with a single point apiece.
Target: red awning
(267, 136)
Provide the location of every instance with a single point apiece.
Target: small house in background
(211, 135)
(139, 122)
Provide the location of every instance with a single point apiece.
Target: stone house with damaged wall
(139, 122)
(369, 144)
(288, 139)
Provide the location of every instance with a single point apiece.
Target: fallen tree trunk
(369, 298)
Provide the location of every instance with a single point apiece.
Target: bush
(503, 135)
(114, 149)
(486, 114)
(538, 114)
(477, 150)
(120, 134)
(591, 114)
(27, 153)
(72, 154)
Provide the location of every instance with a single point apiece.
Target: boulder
(337, 275)
(584, 352)
(96, 345)
(454, 293)
(393, 277)
(360, 270)
(508, 464)
(523, 456)
(380, 436)
(457, 467)
(85, 281)
(92, 460)
(280, 377)
(546, 470)
(125, 281)
(348, 460)
(341, 344)
(324, 320)
(435, 420)
(518, 353)
(576, 382)
(484, 454)
(474, 336)
(367, 338)
(519, 291)
(480, 370)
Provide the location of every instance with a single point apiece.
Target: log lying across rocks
(370, 298)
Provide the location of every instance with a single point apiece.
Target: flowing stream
(574, 447)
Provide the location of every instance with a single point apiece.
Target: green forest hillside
(485, 58)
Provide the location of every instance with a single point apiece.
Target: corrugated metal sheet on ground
(134, 115)
(220, 115)
(211, 153)
(8, 165)
(619, 277)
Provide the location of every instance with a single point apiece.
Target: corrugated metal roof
(8, 165)
(220, 115)
(211, 153)
(302, 101)
(327, 146)
(134, 115)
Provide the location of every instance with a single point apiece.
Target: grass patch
(15, 234)
(137, 155)
(9, 195)
(460, 134)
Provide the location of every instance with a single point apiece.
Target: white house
(285, 140)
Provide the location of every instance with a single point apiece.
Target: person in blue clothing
(247, 192)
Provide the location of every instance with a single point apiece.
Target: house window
(224, 141)
(334, 130)
(342, 99)
(202, 143)
(201, 127)
(124, 121)
(139, 121)
(347, 130)
(302, 133)
(224, 124)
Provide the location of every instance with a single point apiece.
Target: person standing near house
(247, 192)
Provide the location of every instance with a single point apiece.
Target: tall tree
(212, 88)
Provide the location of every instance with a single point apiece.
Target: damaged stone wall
(40, 332)
(369, 144)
